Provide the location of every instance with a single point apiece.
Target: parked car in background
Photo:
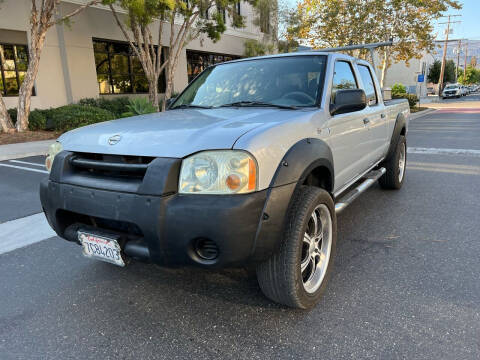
(452, 90)
(430, 91)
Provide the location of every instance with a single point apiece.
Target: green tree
(141, 15)
(43, 15)
(6, 124)
(472, 76)
(286, 46)
(187, 20)
(333, 23)
(434, 72)
(257, 48)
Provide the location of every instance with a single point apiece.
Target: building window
(237, 7)
(119, 71)
(198, 61)
(13, 67)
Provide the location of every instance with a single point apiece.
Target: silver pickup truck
(249, 167)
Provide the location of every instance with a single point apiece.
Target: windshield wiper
(190, 106)
(258, 103)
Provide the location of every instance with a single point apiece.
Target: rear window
(368, 84)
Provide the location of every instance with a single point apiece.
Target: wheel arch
(307, 162)
(399, 130)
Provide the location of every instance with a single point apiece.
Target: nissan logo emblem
(112, 140)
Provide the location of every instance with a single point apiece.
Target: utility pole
(444, 57)
(465, 68)
(458, 59)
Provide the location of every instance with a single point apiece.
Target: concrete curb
(21, 150)
(421, 113)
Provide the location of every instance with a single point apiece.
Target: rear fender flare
(400, 123)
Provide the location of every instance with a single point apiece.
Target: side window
(369, 85)
(343, 78)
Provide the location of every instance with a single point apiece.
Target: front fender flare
(301, 159)
(296, 165)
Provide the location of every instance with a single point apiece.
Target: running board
(369, 180)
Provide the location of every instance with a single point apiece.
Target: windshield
(450, 87)
(290, 81)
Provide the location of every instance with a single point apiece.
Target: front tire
(297, 274)
(396, 166)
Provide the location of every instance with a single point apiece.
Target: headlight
(53, 150)
(218, 172)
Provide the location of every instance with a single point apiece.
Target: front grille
(111, 165)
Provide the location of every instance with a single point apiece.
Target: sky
(468, 28)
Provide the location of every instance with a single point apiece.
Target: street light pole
(465, 66)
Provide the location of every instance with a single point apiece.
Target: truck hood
(175, 133)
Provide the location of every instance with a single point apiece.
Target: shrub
(139, 106)
(13, 115)
(398, 89)
(69, 117)
(37, 120)
(88, 102)
(48, 113)
(412, 99)
(117, 106)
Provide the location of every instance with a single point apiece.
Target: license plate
(101, 248)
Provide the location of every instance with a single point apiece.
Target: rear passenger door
(375, 116)
(348, 134)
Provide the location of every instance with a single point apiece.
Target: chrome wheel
(401, 163)
(316, 248)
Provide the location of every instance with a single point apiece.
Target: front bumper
(164, 228)
(450, 94)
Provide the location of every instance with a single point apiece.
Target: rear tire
(395, 166)
(297, 274)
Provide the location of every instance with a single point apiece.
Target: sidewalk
(414, 116)
(20, 150)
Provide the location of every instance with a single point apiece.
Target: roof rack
(371, 47)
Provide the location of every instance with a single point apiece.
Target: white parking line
(26, 163)
(440, 151)
(25, 168)
(25, 231)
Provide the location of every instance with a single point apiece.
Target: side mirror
(348, 100)
(170, 102)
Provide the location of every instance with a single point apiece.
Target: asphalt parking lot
(406, 281)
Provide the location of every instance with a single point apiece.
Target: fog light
(206, 249)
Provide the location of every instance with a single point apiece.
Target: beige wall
(14, 15)
(407, 74)
(57, 84)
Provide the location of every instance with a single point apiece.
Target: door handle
(383, 116)
(366, 121)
